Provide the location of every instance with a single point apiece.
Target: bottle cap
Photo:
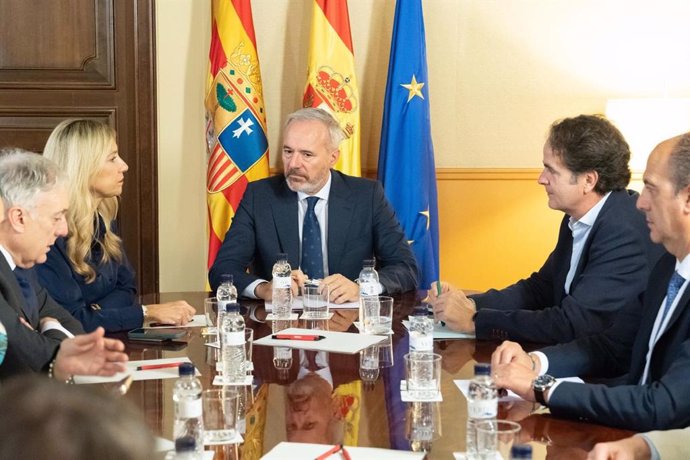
(368, 263)
(232, 307)
(185, 444)
(186, 369)
(521, 451)
(225, 277)
(482, 369)
(281, 256)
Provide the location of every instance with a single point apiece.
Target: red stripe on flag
(216, 54)
(234, 194)
(337, 15)
(244, 12)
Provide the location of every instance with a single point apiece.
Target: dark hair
(679, 163)
(42, 418)
(591, 143)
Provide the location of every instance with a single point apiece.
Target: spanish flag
(235, 116)
(331, 82)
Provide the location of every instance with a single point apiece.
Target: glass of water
(211, 312)
(378, 314)
(495, 438)
(423, 375)
(315, 298)
(220, 415)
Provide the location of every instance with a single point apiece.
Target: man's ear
(333, 157)
(591, 179)
(16, 218)
(684, 194)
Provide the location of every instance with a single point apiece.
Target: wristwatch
(540, 385)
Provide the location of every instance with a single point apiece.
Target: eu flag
(406, 156)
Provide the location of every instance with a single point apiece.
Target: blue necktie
(312, 258)
(30, 306)
(673, 288)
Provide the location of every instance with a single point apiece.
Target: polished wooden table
(360, 412)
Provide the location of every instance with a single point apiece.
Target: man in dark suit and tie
(651, 345)
(35, 201)
(602, 258)
(326, 222)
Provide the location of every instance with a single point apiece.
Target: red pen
(345, 453)
(330, 452)
(305, 337)
(150, 367)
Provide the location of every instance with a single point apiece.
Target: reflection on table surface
(325, 398)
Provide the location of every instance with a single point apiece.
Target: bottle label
(282, 282)
(367, 289)
(189, 408)
(234, 338)
(482, 408)
(421, 342)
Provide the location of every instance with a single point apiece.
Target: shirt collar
(683, 267)
(323, 193)
(8, 257)
(591, 216)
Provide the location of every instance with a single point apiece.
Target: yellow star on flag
(426, 213)
(414, 88)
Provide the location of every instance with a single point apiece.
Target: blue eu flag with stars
(406, 156)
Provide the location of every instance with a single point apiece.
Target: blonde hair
(79, 147)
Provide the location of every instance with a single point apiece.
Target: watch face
(543, 382)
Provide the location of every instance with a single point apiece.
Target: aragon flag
(235, 116)
(331, 82)
(406, 156)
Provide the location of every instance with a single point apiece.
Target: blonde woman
(87, 271)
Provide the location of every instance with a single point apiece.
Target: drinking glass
(211, 312)
(315, 300)
(220, 415)
(496, 437)
(378, 314)
(423, 375)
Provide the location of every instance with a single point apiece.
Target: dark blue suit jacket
(109, 301)
(361, 225)
(664, 402)
(613, 270)
(29, 350)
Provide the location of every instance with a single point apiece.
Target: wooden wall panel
(95, 59)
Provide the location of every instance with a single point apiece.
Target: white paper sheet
(337, 342)
(297, 305)
(443, 333)
(197, 321)
(304, 451)
(165, 373)
(464, 386)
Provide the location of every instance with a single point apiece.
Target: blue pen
(438, 292)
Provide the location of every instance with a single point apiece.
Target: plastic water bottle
(188, 408)
(282, 287)
(482, 404)
(368, 279)
(521, 452)
(185, 449)
(232, 344)
(368, 287)
(225, 294)
(421, 331)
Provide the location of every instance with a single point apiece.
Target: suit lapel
(562, 271)
(340, 210)
(284, 211)
(584, 256)
(10, 288)
(656, 291)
